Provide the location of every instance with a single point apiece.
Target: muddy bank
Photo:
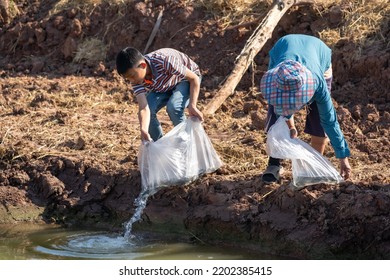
(345, 221)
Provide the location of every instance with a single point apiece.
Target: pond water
(31, 241)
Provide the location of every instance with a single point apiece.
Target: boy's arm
(194, 94)
(144, 117)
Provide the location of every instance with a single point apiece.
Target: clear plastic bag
(179, 157)
(309, 167)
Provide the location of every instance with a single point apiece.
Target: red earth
(69, 133)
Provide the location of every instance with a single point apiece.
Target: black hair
(126, 59)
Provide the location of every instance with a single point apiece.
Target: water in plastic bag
(309, 167)
(178, 158)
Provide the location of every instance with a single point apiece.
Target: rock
(37, 66)
(20, 178)
(69, 48)
(59, 22)
(251, 106)
(71, 13)
(40, 34)
(76, 28)
(335, 15)
(258, 120)
(50, 185)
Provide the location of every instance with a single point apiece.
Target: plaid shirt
(168, 68)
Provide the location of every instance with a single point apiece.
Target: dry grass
(241, 148)
(91, 50)
(85, 5)
(232, 12)
(239, 158)
(362, 23)
(91, 122)
(324, 5)
(13, 9)
(75, 120)
(362, 19)
(330, 36)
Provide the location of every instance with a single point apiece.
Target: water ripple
(93, 246)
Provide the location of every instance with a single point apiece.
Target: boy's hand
(145, 136)
(345, 168)
(193, 111)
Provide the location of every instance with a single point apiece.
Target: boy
(165, 77)
(300, 74)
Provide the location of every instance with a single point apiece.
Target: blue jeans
(176, 100)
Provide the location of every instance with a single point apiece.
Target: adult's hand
(293, 133)
(291, 126)
(345, 168)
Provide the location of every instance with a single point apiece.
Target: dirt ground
(69, 133)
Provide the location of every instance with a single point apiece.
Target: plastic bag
(179, 157)
(309, 167)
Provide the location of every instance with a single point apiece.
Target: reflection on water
(47, 242)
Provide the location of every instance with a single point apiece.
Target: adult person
(299, 75)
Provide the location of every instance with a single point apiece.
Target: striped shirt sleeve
(168, 67)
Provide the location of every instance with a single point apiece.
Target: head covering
(288, 87)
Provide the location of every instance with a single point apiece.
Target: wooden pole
(154, 31)
(253, 45)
